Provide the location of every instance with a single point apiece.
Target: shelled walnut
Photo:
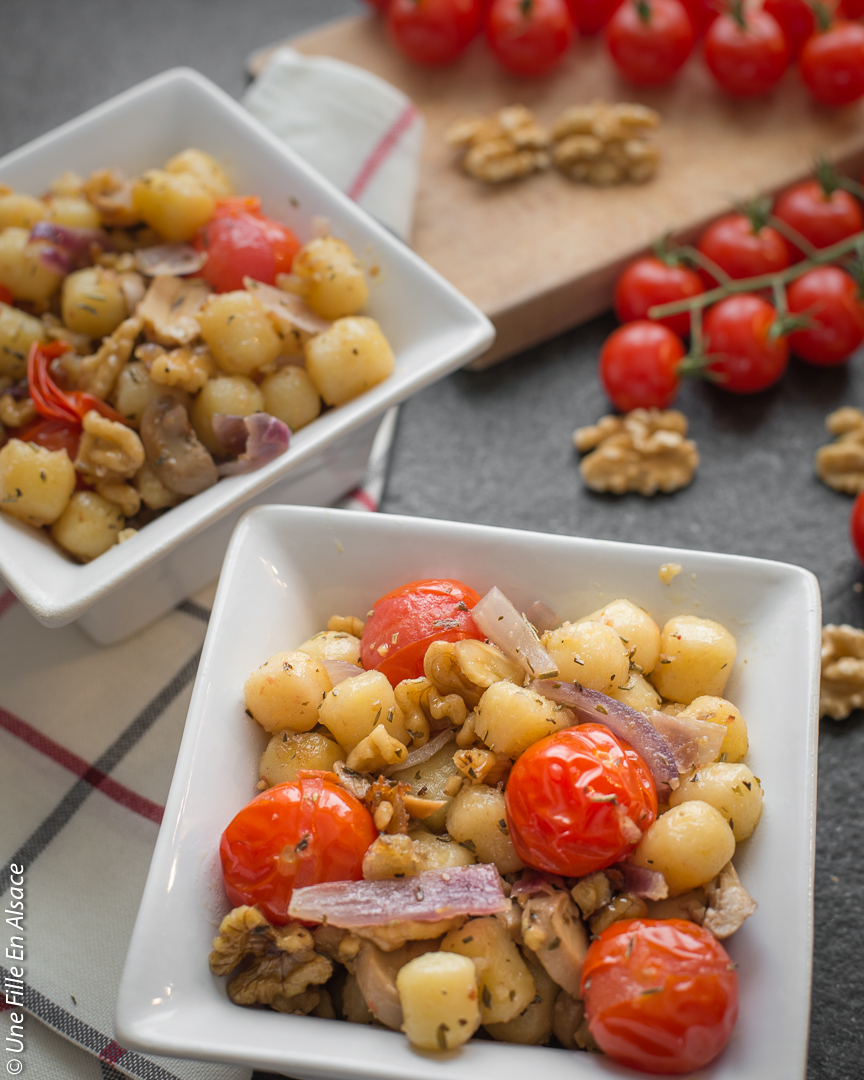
(840, 464)
(842, 687)
(645, 451)
(604, 144)
(504, 146)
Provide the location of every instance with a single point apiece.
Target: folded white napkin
(359, 131)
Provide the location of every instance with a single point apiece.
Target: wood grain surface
(542, 254)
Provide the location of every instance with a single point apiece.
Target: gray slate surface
(495, 447)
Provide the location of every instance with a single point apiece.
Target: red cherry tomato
(558, 811)
(638, 366)
(744, 356)
(832, 300)
(590, 16)
(433, 32)
(856, 526)
(661, 995)
(832, 64)
(796, 20)
(529, 37)
(241, 242)
(53, 435)
(651, 281)
(702, 13)
(649, 40)
(820, 216)
(405, 622)
(851, 9)
(296, 834)
(742, 251)
(746, 55)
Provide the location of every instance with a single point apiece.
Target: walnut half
(840, 464)
(645, 451)
(842, 687)
(504, 146)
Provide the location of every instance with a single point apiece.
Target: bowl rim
(86, 584)
(132, 1019)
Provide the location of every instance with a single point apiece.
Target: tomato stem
(826, 174)
(795, 237)
(823, 15)
(643, 10)
(735, 11)
(695, 256)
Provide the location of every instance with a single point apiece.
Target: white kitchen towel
(374, 132)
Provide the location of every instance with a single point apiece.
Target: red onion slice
(694, 743)
(425, 897)
(340, 670)
(513, 634)
(592, 707)
(175, 260)
(289, 309)
(70, 247)
(649, 884)
(424, 752)
(265, 439)
(542, 617)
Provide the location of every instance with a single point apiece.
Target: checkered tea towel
(89, 734)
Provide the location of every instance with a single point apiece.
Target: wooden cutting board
(541, 255)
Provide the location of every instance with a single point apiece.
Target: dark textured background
(495, 447)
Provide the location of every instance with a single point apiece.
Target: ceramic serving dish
(287, 570)
(432, 328)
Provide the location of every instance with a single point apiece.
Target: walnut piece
(123, 494)
(507, 145)
(187, 368)
(16, 411)
(378, 750)
(98, 373)
(276, 963)
(644, 451)
(110, 191)
(842, 687)
(840, 464)
(604, 144)
(108, 449)
(482, 766)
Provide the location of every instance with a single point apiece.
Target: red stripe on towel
(381, 151)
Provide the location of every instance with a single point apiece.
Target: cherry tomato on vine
(295, 834)
(529, 37)
(433, 32)
(796, 20)
(832, 63)
(661, 995)
(590, 16)
(702, 13)
(405, 622)
(651, 281)
(649, 40)
(241, 242)
(850, 9)
(638, 366)
(856, 526)
(746, 54)
(744, 355)
(558, 811)
(824, 217)
(832, 300)
(743, 247)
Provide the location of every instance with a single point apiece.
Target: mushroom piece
(170, 307)
(174, 452)
(567, 1017)
(376, 973)
(552, 929)
(729, 903)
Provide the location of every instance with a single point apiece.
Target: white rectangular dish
(432, 328)
(287, 570)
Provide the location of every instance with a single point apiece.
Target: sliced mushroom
(169, 308)
(552, 929)
(729, 903)
(689, 905)
(376, 975)
(567, 1017)
(173, 450)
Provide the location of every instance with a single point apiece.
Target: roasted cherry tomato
(433, 32)
(856, 526)
(746, 54)
(661, 995)
(241, 242)
(529, 37)
(590, 16)
(745, 356)
(832, 63)
(649, 40)
(743, 247)
(651, 281)
(568, 797)
(822, 216)
(296, 834)
(53, 435)
(796, 20)
(638, 366)
(832, 300)
(405, 622)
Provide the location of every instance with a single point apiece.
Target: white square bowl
(287, 570)
(433, 329)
